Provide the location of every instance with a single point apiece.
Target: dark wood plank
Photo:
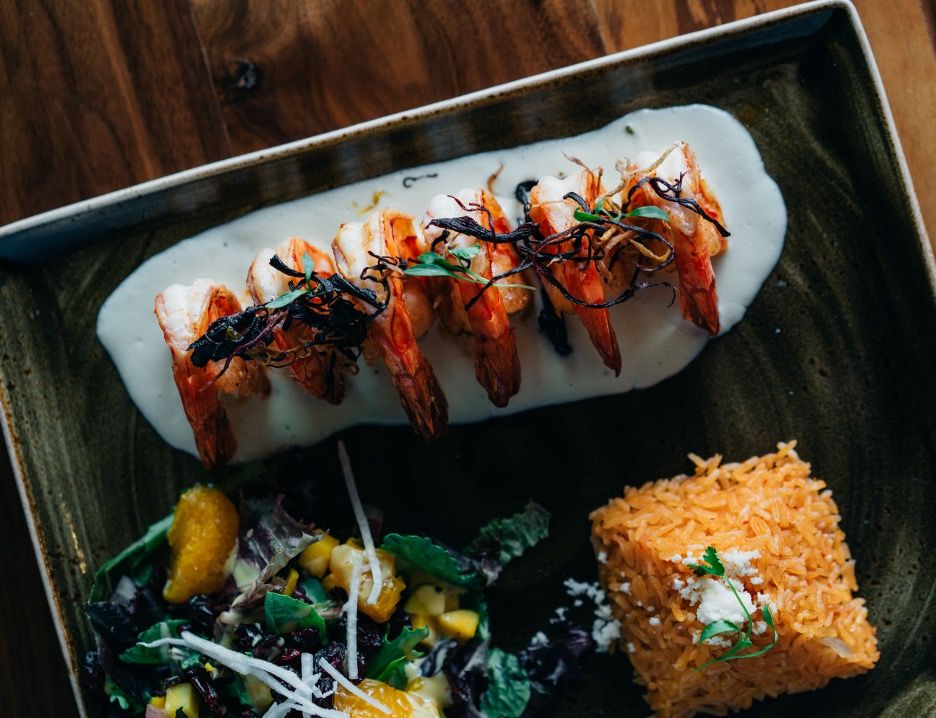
(288, 69)
(902, 38)
(99, 95)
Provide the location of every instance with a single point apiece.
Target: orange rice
(769, 504)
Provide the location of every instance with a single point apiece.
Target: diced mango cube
(182, 696)
(460, 625)
(341, 563)
(259, 693)
(314, 559)
(158, 702)
(292, 578)
(427, 599)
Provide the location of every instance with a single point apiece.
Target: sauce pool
(656, 342)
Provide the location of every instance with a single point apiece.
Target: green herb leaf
(308, 266)
(421, 553)
(582, 216)
(284, 614)
(714, 567)
(389, 663)
(466, 254)
(117, 695)
(716, 628)
(510, 537)
(649, 211)
(314, 590)
(508, 690)
(153, 656)
(286, 298)
(129, 560)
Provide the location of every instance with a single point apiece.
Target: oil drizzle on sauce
(656, 341)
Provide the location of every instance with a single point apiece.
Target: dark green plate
(836, 351)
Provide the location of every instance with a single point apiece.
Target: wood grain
(99, 95)
(329, 64)
(903, 39)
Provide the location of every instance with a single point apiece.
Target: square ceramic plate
(835, 351)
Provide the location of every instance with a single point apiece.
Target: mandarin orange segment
(202, 536)
(400, 703)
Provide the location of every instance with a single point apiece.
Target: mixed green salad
(220, 610)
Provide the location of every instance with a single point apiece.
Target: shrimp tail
(698, 298)
(214, 437)
(497, 366)
(420, 394)
(585, 283)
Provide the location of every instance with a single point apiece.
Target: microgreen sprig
(711, 565)
(600, 214)
(433, 264)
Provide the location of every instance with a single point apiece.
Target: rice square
(777, 530)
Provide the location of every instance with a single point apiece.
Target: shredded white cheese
(351, 610)
(264, 671)
(351, 688)
(363, 525)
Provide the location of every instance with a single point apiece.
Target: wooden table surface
(100, 94)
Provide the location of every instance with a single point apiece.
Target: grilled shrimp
(184, 314)
(582, 280)
(391, 330)
(497, 365)
(694, 239)
(317, 369)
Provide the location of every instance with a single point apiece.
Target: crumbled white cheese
(718, 642)
(602, 556)
(539, 639)
(675, 558)
(718, 603)
(631, 648)
(678, 584)
(756, 580)
(654, 621)
(738, 563)
(605, 628)
(759, 627)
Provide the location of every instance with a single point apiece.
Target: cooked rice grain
(770, 504)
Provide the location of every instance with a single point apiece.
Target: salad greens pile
(272, 615)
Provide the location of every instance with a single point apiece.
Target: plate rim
(98, 203)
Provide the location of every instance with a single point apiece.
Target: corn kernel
(314, 559)
(182, 696)
(158, 702)
(329, 583)
(460, 625)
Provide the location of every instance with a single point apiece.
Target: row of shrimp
(407, 305)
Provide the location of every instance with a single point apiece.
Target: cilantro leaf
(466, 254)
(509, 538)
(508, 690)
(153, 656)
(389, 663)
(130, 559)
(420, 552)
(714, 567)
(716, 628)
(284, 614)
(308, 266)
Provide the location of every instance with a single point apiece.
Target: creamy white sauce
(656, 342)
